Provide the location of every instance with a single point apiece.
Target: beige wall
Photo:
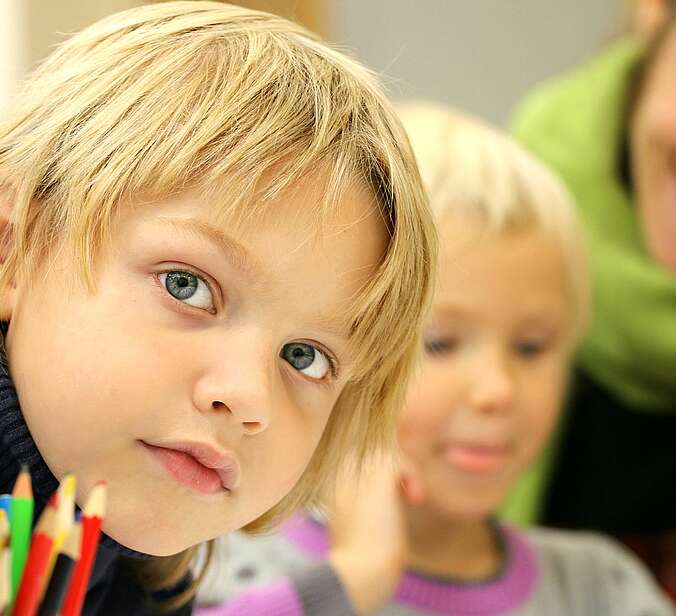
(29, 29)
(49, 21)
(13, 48)
(479, 55)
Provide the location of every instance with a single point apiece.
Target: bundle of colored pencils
(47, 575)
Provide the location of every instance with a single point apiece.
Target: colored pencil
(5, 579)
(5, 564)
(92, 517)
(62, 573)
(22, 524)
(65, 503)
(6, 504)
(4, 528)
(29, 594)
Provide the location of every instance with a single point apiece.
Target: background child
(510, 305)
(216, 254)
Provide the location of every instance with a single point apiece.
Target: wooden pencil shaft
(57, 587)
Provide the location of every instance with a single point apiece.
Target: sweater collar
(507, 591)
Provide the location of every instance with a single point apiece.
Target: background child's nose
(494, 387)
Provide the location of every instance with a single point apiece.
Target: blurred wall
(50, 22)
(13, 48)
(479, 55)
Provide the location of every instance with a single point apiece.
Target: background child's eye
(440, 346)
(187, 288)
(530, 348)
(306, 358)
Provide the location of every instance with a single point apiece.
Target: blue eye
(305, 358)
(187, 288)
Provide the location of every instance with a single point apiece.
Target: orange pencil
(29, 595)
(92, 517)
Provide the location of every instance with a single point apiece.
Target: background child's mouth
(475, 458)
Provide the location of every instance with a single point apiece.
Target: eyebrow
(451, 311)
(337, 327)
(240, 257)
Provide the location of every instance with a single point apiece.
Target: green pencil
(22, 525)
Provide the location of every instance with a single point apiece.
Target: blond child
(216, 254)
(509, 309)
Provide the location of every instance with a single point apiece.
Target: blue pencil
(6, 505)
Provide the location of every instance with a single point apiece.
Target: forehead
(505, 274)
(288, 248)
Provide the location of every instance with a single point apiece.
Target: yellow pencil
(4, 529)
(65, 513)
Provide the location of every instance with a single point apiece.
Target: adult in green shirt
(609, 129)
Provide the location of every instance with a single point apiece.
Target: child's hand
(368, 534)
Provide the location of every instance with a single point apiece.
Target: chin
(476, 506)
(155, 539)
(471, 512)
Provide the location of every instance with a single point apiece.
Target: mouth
(476, 458)
(199, 466)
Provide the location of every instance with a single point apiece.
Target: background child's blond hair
(472, 170)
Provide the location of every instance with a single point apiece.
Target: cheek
(544, 406)
(91, 373)
(298, 422)
(420, 421)
(656, 121)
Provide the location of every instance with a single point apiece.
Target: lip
(199, 466)
(476, 458)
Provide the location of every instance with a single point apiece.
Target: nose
(238, 382)
(494, 387)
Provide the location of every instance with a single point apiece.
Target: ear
(412, 484)
(7, 295)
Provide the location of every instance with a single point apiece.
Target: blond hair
(242, 104)
(472, 170)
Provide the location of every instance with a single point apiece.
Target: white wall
(13, 49)
(478, 55)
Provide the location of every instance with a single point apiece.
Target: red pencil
(29, 595)
(92, 516)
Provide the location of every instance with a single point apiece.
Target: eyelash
(333, 364)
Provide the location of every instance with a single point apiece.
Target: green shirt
(574, 123)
